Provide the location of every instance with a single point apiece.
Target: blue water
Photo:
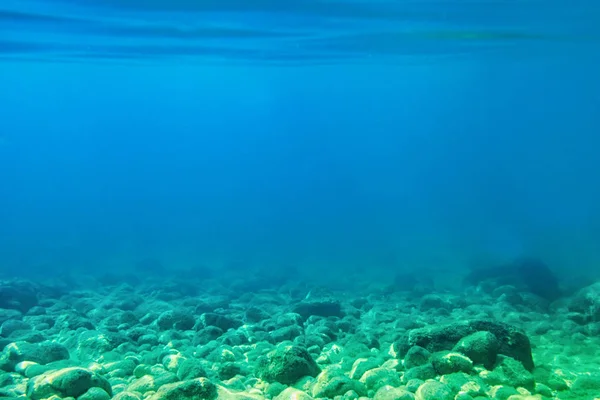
(391, 135)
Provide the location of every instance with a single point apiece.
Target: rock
(333, 382)
(91, 345)
(122, 368)
(512, 342)
(191, 369)
(586, 386)
(481, 347)
(433, 302)
(511, 373)
(320, 308)
(94, 393)
(286, 364)
(222, 322)
(527, 274)
(179, 320)
(422, 372)
(193, 389)
(228, 370)
(292, 394)
(586, 303)
(41, 353)
(500, 392)
(469, 385)
(434, 390)
(392, 393)
(128, 396)
(18, 295)
(378, 377)
(447, 362)
(362, 365)
(68, 382)
(416, 356)
(413, 384)
(148, 383)
(286, 333)
(12, 325)
(254, 314)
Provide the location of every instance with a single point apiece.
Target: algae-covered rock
(286, 364)
(378, 377)
(222, 322)
(392, 393)
(481, 347)
(434, 390)
(293, 394)
(333, 382)
(322, 308)
(128, 396)
(194, 389)
(422, 372)
(462, 383)
(148, 383)
(11, 326)
(18, 295)
(586, 385)
(94, 393)
(68, 382)
(500, 392)
(191, 369)
(553, 378)
(510, 372)
(41, 353)
(175, 319)
(512, 342)
(448, 362)
(362, 365)
(586, 302)
(416, 356)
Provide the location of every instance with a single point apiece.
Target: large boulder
(526, 274)
(287, 364)
(67, 382)
(511, 341)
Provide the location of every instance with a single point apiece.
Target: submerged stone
(512, 342)
(287, 364)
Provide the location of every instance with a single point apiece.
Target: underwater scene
(299, 199)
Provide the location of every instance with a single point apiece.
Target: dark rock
(197, 389)
(41, 353)
(222, 322)
(12, 325)
(175, 319)
(416, 356)
(228, 370)
(285, 333)
(512, 342)
(422, 372)
(321, 308)
(18, 295)
(68, 382)
(206, 335)
(585, 304)
(286, 364)
(191, 369)
(528, 274)
(446, 362)
(255, 314)
(481, 347)
(510, 372)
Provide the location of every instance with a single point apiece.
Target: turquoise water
(393, 134)
(282, 200)
(306, 32)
